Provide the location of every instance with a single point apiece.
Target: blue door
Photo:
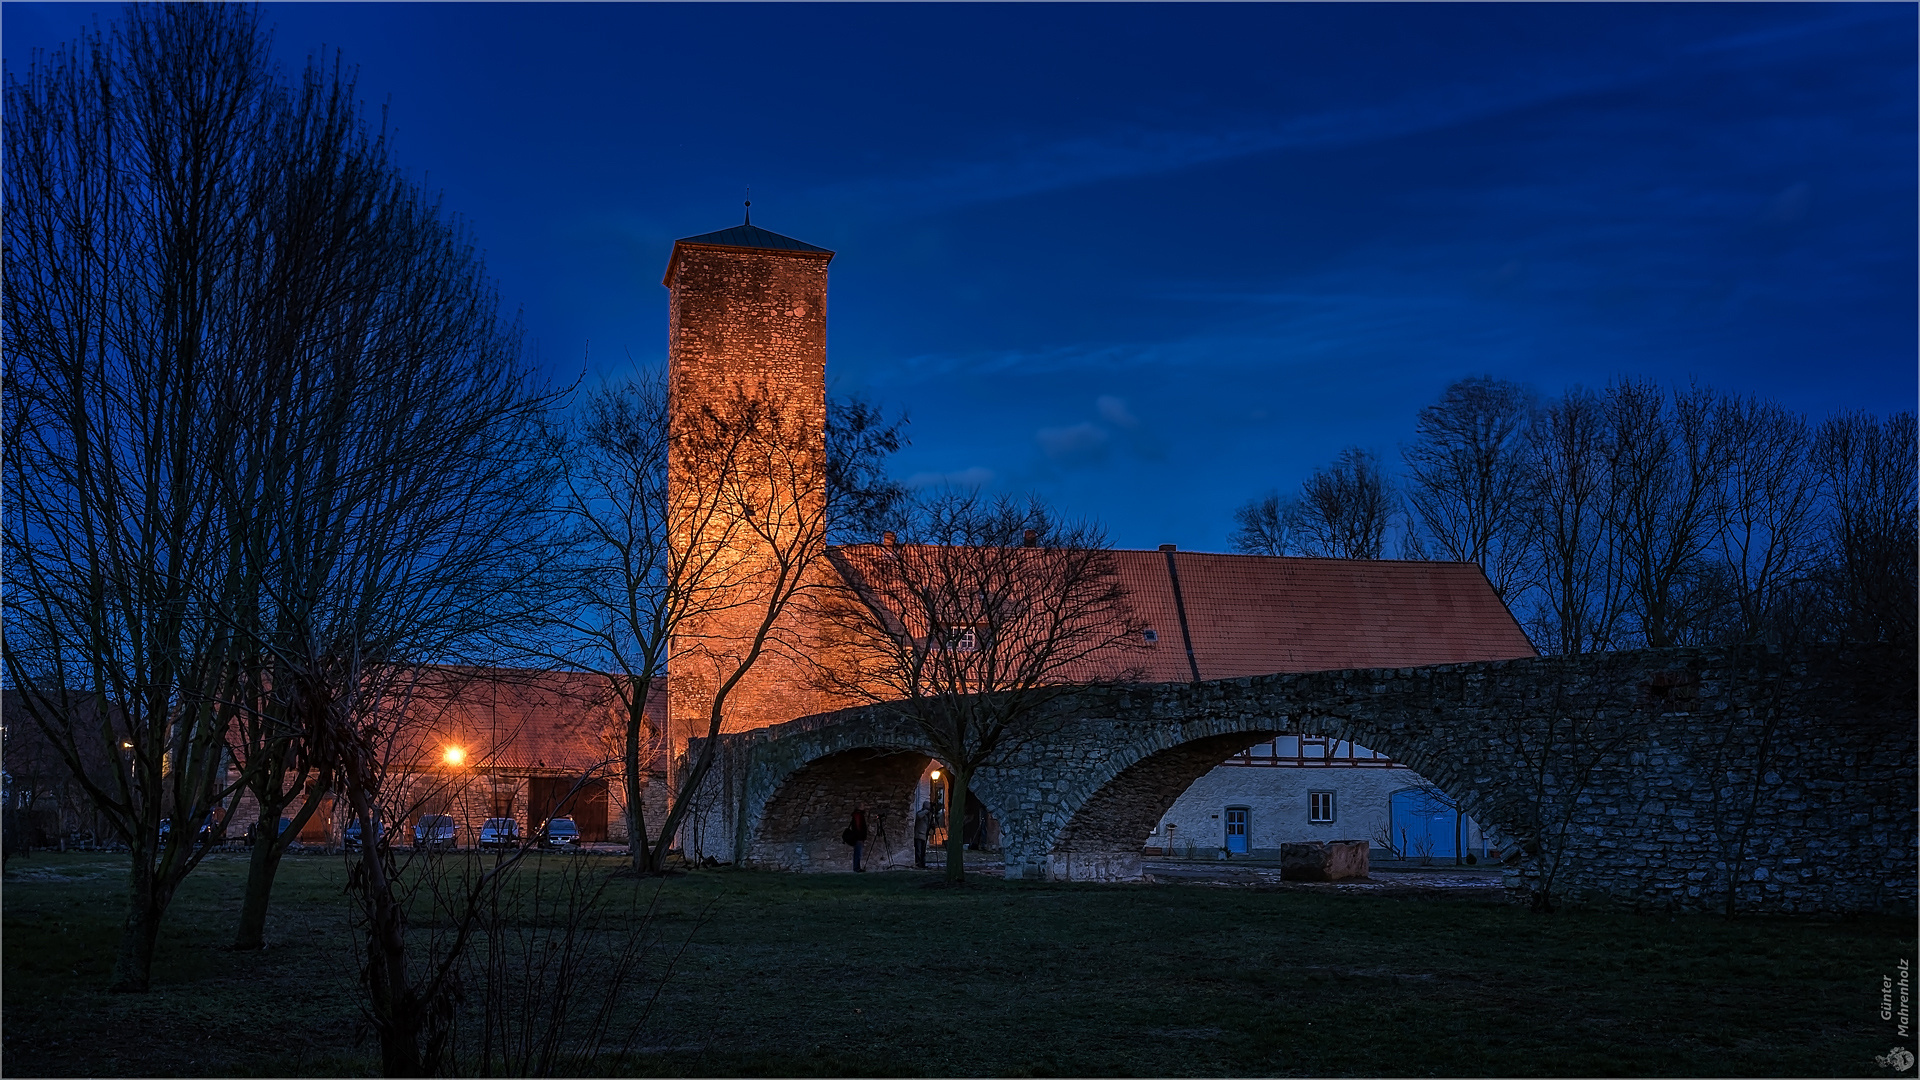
(1422, 824)
(1236, 830)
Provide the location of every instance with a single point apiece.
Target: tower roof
(742, 236)
(751, 236)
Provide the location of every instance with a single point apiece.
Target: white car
(436, 831)
(500, 832)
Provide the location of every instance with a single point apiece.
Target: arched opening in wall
(1242, 796)
(1293, 787)
(804, 821)
(982, 827)
(1110, 834)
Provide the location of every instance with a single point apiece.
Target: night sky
(1153, 261)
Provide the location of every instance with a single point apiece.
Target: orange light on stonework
(455, 756)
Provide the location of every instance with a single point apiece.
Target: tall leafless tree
(1772, 503)
(746, 528)
(1261, 527)
(1467, 478)
(287, 444)
(631, 588)
(1576, 597)
(1866, 470)
(972, 621)
(861, 497)
(1667, 460)
(1344, 509)
(131, 184)
(393, 467)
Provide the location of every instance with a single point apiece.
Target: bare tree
(629, 587)
(978, 616)
(1577, 592)
(1467, 477)
(747, 523)
(632, 588)
(1866, 471)
(1667, 460)
(1344, 509)
(394, 465)
(131, 188)
(861, 497)
(1261, 527)
(1772, 499)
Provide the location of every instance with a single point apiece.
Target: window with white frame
(1320, 806)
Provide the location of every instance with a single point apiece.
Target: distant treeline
(1635, 515)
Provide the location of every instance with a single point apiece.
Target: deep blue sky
(1153, 261)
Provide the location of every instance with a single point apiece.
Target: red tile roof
(1262, 614)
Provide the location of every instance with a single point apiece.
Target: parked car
(435, 831)
(560, 832)
(500, 832)
(351, 838)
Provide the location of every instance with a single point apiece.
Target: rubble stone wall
(1661, 779)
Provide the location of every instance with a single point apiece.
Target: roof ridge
(751, 236)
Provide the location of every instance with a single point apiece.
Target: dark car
(435, 831)
(560, 832)
(498, 832)
(351, 839)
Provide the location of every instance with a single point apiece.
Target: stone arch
(800, 825)
(1111, 813)
(1102, 839)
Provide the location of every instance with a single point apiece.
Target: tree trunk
(636, 790)
(957, 826)
(146, 903)
(261, 869)
(396, 1011)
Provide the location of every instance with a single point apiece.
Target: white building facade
(1298, 788)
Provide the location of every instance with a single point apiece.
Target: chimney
(1167, 547)
(887, 539)
(1029, 538)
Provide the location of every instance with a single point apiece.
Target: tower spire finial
(749, 220)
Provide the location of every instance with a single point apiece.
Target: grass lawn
(881, 975)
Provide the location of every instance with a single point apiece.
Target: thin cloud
(975, 477)
(1114, 411)
(1081, 444)
(1027, 165)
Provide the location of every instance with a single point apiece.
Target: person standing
(856, 835)
(922, 825)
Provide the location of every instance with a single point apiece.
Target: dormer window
(1151, 635)
(962, 639)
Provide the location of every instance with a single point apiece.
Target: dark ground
(881, 975)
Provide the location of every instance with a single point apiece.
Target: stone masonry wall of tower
(746, 321)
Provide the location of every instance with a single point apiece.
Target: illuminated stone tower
(747, 320)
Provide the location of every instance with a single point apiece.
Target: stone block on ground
(1347, 860)
(1303, 862)
(1339, 860)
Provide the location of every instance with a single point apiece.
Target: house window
(1320, 807)
(1151, 636)
(963, 638)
